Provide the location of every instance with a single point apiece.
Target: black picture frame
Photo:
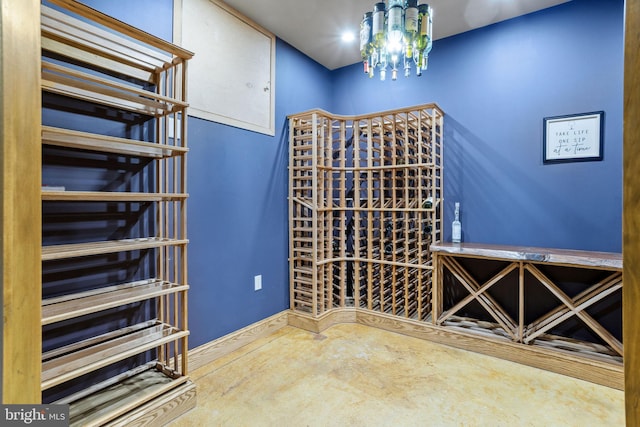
(573, 138)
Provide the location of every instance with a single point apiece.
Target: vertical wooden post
(357, 213)
(370, 202)
(520, 301)
(423, 282)
(183, 223)
(20, 202)
(436, 288)
(344, 190)
(292, 132)
(314, 203)
(631, 217)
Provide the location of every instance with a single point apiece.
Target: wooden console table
(594, 277)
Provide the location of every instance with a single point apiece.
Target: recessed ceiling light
(348, 36)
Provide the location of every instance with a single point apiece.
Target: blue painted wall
(238, 211)
(154, 17)
(496, 85)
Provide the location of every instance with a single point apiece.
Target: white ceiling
(315, 26)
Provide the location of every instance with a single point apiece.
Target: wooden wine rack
(365, 204)
(529, 294)
(121, 372)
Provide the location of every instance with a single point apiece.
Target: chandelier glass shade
(396, 36)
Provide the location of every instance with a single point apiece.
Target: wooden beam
(20, 234)
(630, 216)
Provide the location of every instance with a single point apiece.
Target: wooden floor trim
(603, 373)
(211, 351)
(598, 372)
(595, 371)
(325, 321)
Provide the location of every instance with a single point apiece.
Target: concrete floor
(355, 375)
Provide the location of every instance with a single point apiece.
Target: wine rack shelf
(74, 250)
(114, 308)
(84, 357)
(103, 196)
(68, 82)
(365, 204)
(122, 397)
(108, 144)
(82, 303)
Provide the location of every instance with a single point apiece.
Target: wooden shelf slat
(118, 400)
(111, 381)
(89, 38)
(122, 28)
(53, 252)
(82, 303)
(110, 196)
(105, 351)
(57, 47)
(107, 144)
(87, 87)
(119, 89)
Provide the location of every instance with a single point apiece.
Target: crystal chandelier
(396, 36)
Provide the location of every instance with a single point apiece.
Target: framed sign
(573, 138)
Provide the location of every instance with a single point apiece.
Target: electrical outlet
(257, 282)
